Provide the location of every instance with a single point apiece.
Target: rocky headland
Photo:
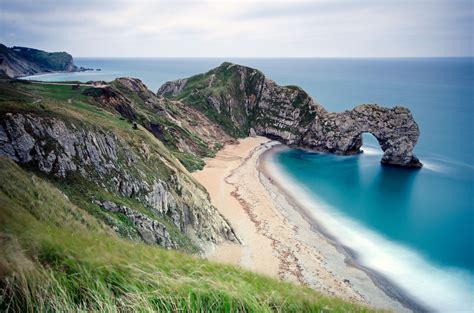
(23, 61)
(244, 102)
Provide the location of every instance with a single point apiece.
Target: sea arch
(394, 128)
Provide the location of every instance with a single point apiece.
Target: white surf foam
(440, 289)
(433, 166)
(428, 164)
(369, 150)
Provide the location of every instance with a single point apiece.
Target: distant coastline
(33, 76)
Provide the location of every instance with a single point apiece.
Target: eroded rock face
(394, 128)
(244, 102)
(151, 231)
(62, 148)
(172, 88)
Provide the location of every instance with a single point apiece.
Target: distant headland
(23, 61)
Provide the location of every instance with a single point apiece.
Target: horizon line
(278, 57)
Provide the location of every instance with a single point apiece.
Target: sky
(241, 28)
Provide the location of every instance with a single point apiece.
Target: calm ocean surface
(428, 213)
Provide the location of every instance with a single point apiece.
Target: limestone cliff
(242, 100)
(122, 174)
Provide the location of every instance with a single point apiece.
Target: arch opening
(370, 144)
(366, 141)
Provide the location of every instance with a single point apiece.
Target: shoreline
(31, 77)
(380, 280)
(278, 239)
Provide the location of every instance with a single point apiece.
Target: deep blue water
(430, 211)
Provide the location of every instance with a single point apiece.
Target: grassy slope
(71, 105)
(52, 61)
(231, 89)
(58, 254)
(147, 115)
(55, 256)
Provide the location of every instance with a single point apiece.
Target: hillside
(58, 257)
(93, 197)
(122, 173)
(22, 61)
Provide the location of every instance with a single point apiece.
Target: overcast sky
(318, 28)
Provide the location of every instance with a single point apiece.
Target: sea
(414, 227)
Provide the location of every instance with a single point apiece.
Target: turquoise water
(429, 212)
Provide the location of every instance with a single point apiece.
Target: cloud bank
(232, 28)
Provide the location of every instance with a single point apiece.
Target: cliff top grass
(221, 83)
(54, 256)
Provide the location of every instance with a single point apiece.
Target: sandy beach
(278, 240)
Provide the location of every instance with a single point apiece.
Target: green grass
(88, 116)
(54, 256)
(172, 133)
(225, 85)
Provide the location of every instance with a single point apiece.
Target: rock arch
(394, 128)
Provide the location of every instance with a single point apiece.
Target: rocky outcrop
(21, 61)
(66, 149)
(150, 230)
(172, 88)
(243, 101)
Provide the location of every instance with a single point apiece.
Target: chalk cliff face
(243, 101)
(21, 61)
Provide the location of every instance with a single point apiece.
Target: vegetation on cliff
(21, 61)
(73, 239)
(96, 156)
(186, 132)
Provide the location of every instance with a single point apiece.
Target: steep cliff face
(123, 175)
(243, 101)
(21, 61)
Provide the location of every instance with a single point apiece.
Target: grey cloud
(254, 28)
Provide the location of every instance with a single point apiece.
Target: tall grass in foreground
(55, 257)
